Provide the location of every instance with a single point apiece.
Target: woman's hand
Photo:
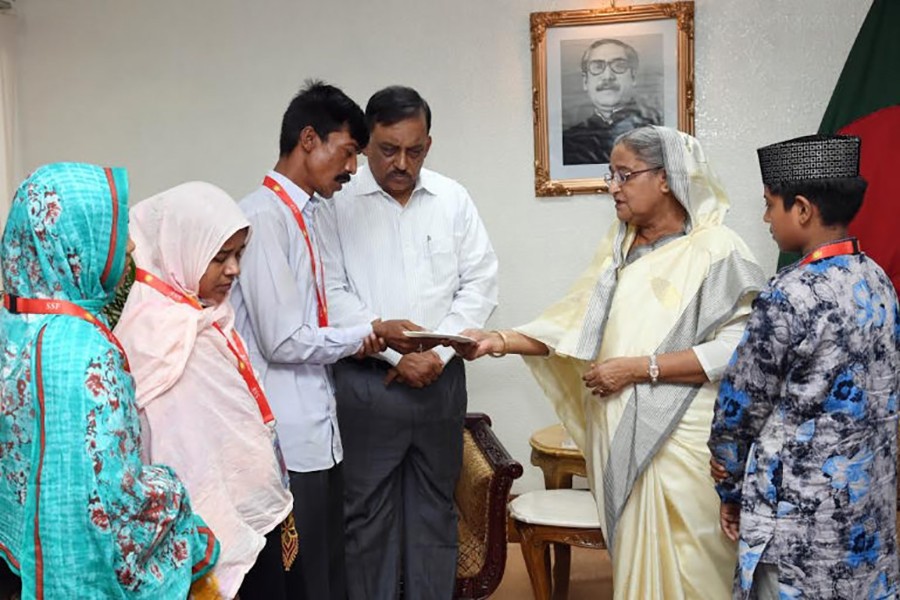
(717, 471)
(485, 343)
(610, 376)
(730, 520)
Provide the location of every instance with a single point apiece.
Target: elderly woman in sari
(630, 358)
(80, 515)
(202, 407)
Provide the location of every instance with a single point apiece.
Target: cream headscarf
(574, 326)
(198, 415)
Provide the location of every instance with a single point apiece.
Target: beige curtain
(8, 158)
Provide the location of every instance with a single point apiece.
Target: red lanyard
(145, 277)
(246, 371)
(298, 216)
(17, 305)
(850, 246)
(234, 344)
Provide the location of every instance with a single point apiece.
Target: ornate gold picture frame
(598, 73)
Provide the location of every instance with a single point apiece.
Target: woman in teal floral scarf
(80, 516)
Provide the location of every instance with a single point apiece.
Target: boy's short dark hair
(394, 104)
(838, 199)
(326, 109)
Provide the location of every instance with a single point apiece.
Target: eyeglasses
(620, 178)
(616, 65)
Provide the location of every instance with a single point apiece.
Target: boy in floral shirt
(804, 440)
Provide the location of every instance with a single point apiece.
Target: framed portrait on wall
(597, 74)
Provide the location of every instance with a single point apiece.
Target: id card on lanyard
(236, 347)
(317, 273)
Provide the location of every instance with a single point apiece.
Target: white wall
(177, 90)
(8, 146)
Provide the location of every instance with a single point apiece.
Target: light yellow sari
(648, 463)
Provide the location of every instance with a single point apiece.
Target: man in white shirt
(403, 242)
(282, 313)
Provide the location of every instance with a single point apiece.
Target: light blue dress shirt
(276, 313)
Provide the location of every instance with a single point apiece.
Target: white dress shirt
(429, 261)
(276, 313)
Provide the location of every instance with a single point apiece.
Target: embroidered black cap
(810, 157)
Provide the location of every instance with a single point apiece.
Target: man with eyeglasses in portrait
(609, 72)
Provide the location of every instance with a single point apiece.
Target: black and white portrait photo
(609, 87)
(599, 74)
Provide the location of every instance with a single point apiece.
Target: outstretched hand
(392, 333)
(485, 343)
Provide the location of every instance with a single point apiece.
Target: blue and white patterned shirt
(806, 426)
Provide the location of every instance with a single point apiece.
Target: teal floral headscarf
(76, 254)
(80, 516)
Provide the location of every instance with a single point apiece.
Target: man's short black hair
(838, 199)
(326, 109)
(394, 104)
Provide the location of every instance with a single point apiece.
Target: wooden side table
(554, 452)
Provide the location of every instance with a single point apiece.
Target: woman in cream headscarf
(203, 411)
(630, 358)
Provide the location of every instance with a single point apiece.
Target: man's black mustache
(343, 178)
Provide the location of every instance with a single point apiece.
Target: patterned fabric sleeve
(751, 387)
(113, 310)
(139, 516)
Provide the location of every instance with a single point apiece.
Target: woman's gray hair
(646, 144)
(649, 147)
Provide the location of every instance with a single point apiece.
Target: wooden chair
(481, 498)
(559, 517)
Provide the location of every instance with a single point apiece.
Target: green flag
(866, 103)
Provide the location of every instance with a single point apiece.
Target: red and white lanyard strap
(850, 246)
(234, 344)
(246, 371)
(147, 278)
(301, 223)
(39, 306)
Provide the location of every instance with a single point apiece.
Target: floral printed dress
(80, 516)
(806, 426)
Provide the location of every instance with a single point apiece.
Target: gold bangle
(503, 337)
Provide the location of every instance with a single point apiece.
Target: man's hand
(392, 333)
(416, 370)
(730, 519)
(372, 344)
